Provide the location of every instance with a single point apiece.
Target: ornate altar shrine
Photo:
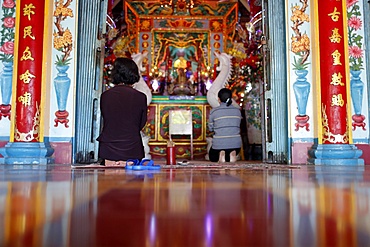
(180, 39)
(175, 44)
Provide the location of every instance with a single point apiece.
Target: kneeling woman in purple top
(124, 112)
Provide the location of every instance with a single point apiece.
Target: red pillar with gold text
(334, 140)
(26, 145)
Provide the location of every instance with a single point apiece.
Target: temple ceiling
(243, 6)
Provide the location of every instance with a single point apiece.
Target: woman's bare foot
(114, 163)
(233, 156)
(221, 157)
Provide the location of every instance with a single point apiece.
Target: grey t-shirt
(225, 122)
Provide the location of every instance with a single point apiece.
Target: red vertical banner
(29, 70)
(110, 7)
(255, 7)
(333, 71)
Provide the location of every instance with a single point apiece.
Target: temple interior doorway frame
(89, 82)
(89, 86)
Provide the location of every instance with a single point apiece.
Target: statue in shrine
(181, 76)
(182, 84)
(180, 63)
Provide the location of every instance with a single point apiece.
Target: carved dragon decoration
(225, 68)
(143, 87)
(141, 84)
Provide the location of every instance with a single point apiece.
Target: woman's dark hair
(225, 96)
(125, 71)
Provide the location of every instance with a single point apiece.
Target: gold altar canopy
(174, 29)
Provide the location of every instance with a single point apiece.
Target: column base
(335, 154)
(33, 153)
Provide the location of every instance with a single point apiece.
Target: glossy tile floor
(198, 205)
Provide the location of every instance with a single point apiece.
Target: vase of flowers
(6, 55)
(6, 82)
(301, 89)
(356, 54)
(357, 88)
(300, 46)
(62, 43)
(61, 84)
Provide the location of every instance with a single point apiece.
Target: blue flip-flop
(146, 164)
(130, 163)
(144, 173)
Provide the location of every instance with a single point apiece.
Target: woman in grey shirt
(225, 121)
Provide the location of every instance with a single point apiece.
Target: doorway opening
(246, 45)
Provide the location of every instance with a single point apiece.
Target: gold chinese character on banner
(336, 57)
(337, 100)
(26, 77)
(336, 79)
(334, 15)
(27, 31)
(28, 10)
(335, 36)
(25, 99)
(27, 55)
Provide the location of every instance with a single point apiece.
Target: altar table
(157, 126)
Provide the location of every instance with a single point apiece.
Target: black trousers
(214, 154)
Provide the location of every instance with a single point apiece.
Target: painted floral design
(62, 37)
(300, 42)
(7, 31)
(356, 52)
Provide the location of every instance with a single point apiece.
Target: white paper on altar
(180, 122)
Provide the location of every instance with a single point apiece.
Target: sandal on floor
(130, 163)
(183, 163)
(146, 164)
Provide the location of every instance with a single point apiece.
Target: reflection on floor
(196, 205)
